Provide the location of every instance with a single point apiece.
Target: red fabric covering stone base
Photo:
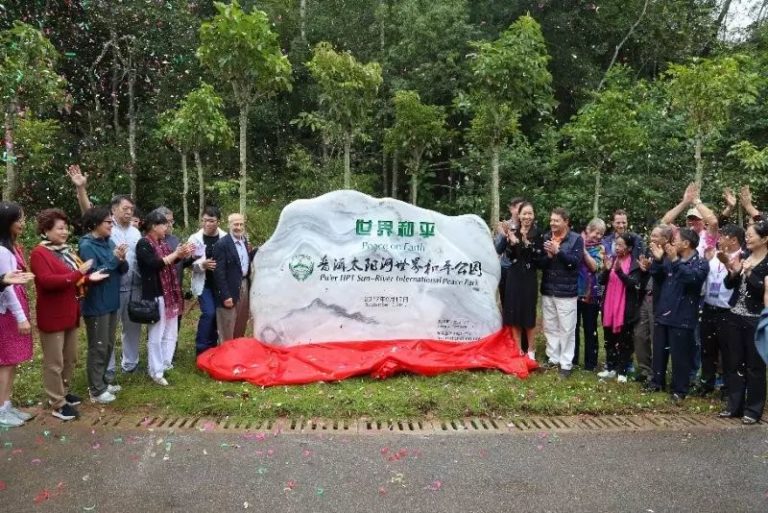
(247, 359)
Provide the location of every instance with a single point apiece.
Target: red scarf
(169, 280)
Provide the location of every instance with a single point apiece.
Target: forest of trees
(455, 105)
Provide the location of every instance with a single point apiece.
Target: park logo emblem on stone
(349, 267)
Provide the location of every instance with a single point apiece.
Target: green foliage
(197, 123)
(28, 69)
(241, 50)
(347, 87)
(425, 46)
(418, 130)
(705, 91)
(750, 156)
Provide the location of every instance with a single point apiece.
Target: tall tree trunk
(303, 21)
(185, 187)
(415, 181)
(115, 83)
(9, 192)
(347, 169)
(495, 151)
(598, 191)
(698, 145)
(384, 178)
(200, 185)
(395, 162)
(132, 130)
(243, 156)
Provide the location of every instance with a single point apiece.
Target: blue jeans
(207, 335)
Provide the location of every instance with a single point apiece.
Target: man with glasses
(203, 280)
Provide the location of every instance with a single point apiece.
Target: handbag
(143, 311)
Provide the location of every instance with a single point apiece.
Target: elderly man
(231, 278)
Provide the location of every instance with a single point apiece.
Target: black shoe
(72, 399)
(548, 365)
(749, 421)
(131, 370)
(727, 414)
(65, 413)
(565, 373)
(677, 398)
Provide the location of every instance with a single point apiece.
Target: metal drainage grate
(472, 425)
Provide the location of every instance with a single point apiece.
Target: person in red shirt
(60, 281)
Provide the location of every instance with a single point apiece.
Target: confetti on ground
(95, 445)
(89, 508)
(261, 470)
(36, 461)
(289, 486)
(245, 505)
(306, 453)
(434, 486)
(3, 486)
(208, 426)
(319, 491)
(146, 422)
(382, 490)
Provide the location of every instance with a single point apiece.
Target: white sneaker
(8, 419)
(113, 389)
(21, 414)
(103, 398)
(622, 378)
(606, 374)
(160, 381)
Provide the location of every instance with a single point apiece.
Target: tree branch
(621, 44)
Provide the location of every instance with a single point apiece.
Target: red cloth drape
(247, 359)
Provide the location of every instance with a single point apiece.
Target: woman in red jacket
(60, 278)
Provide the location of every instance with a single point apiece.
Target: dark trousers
(643, 338)
(713, 336)
(618, 348)
(746, 370)
(100, 332)
(207, 336)
(586, 317)
(679, 343)
(502, 283)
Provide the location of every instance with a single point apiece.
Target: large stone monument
(349, 267)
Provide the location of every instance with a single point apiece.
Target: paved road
(71, 468)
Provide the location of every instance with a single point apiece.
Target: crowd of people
(692, 294)
(119, 275)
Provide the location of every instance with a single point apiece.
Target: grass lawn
(458, 394)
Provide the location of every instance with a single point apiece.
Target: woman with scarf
(15, 329)
(623, 279)
(590, 292)
(160, 282)
(60, 281)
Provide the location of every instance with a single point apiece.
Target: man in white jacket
(203, 279)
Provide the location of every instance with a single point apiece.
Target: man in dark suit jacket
(231, 277)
